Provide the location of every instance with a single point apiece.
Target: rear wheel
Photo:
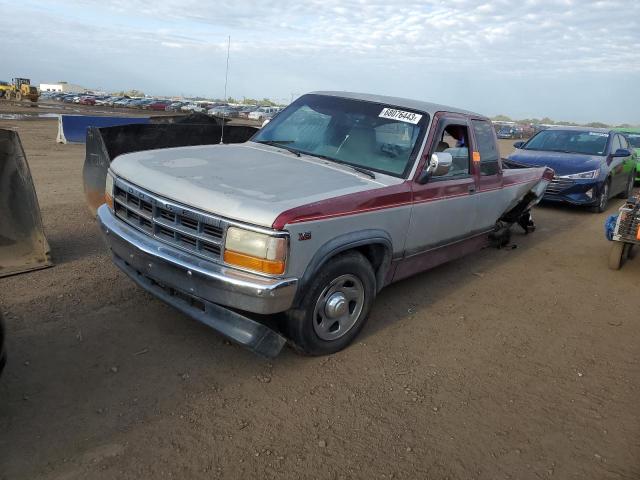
(335, 307)
(603, 199)
(616, 255)
(18, 96)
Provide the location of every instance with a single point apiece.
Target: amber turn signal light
(108, 199)
(271, 267)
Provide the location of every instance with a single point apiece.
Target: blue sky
(576, 60)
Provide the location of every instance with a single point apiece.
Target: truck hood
(562, 163)
(248, 182)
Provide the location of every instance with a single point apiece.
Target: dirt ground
(508, 364)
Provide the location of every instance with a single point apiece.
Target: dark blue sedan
(591, 165)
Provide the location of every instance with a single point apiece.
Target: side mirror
(519, 144)
(439, 164)
(622, 152)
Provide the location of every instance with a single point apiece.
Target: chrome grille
(192, 230)
(628, 224)
(558, 184)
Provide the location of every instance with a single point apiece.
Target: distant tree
(501, 118)
(596, 125)
(547, 120)
(624, 125)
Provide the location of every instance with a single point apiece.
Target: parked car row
(218, 109)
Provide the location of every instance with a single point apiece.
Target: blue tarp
(73, 128)
(610, 226)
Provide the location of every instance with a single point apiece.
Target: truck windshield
(379, 137)
(569, 141)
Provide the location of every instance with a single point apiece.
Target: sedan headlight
(583, 175)
(108, 191)
(255, 251)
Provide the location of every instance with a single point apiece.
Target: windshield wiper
(280, 144)
(361, 170)
(367, 172)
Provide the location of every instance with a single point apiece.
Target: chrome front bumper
(163, 270)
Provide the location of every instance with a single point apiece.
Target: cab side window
(454, 139)
(487, 147)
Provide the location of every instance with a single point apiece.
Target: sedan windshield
(373, 136)
(569, 141)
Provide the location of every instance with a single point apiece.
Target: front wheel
(335, 306)
(603, 199)
(616, 255)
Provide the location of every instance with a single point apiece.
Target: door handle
(472, 189)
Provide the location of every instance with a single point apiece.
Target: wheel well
(379, 256)
(374, 252)
(378, 253)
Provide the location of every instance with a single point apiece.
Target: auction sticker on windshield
(393, 114)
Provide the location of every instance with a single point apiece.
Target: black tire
(300, 327)
(629, 251)
(616, 255)
(628, 190)
(603, 198)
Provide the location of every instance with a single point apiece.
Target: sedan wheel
(603, 199)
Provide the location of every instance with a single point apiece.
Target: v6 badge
(304, 236)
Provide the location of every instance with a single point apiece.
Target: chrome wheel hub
(338, 307)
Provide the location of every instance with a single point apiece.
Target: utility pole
(226, 80)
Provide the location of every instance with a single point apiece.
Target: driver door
(443, 206)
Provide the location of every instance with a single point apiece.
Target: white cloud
(319, 41)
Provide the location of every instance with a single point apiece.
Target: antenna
(226, 80)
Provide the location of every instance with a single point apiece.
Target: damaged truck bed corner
(23, 245)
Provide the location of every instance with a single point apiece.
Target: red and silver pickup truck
(340, 195)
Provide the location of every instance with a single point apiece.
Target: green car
(633, 137)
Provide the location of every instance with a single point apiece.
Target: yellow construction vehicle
(20, 89)
(4, 87)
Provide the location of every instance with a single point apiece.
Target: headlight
(108, 191)
(255, 251)
(583, 175)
